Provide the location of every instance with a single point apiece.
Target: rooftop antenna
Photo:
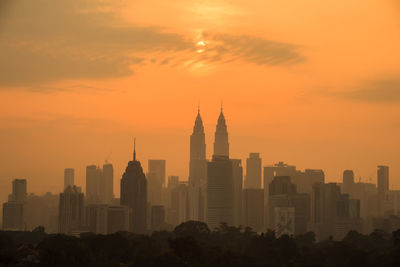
(198, 107)
(134, 149)
(222, 106)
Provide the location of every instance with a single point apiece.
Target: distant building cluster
(278, 197)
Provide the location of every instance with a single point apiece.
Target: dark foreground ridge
(193, 244)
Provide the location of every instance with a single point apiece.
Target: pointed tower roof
(198, 124)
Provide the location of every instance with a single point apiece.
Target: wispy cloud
(45, 41)
(374, 91)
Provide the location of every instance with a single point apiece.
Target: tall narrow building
(221, 144)
(134, 195)
(253, 171)
(156, 181)
(68, 177)
(197, 171)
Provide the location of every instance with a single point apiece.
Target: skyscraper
(93, 179)
(383, 179)
(197, 171)
(237, 182)
(107, 188)
(68, 177)
(253, 209)
(156, 181)
(253, 171)
(18, 190)
(221, 144)
(134, 194)
(14, 209)
(348, 181)
(71, 210)
(220, 191)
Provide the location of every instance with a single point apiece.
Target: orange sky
(313, 83)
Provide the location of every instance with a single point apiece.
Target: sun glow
(201, 45)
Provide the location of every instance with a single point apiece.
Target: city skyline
(80, 174)
(307, 82)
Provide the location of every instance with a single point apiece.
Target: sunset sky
(313, 83)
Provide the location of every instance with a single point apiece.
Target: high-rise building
(179, 212)
(118, 219)
(383, 179)
(13, 216)
(96, 218)
(71, 210)
(156, 181)
(323, 209)
(237, 181)
(253, 209)
(197, 171)
(134, 195)
(221, 143)
(93, 181)
(107, 187)
(348, 181)
(69, 174)
(18, 190)
(99, 184)
(253, 171)
(288, 211)
(14, 209)
(220, 190)
(42, 210)
(383, 189)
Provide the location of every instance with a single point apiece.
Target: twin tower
(198, 164)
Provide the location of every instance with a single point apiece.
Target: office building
(197, 172)
(71, 210)
(253, 171)
(69, 175)
(155, 181)
(253, 209)
(134, 195)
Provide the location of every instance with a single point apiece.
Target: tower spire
(134, 149)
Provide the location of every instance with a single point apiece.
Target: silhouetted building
(42, 210)
(96, 218)
(221, 143)
(156, 180)
(14, 209)
(99, 184)
(69, 174)
(383, 189)
(179, 212)
(220, 190)
(18, 191)
(13, 216)
(93, 181)
(71, 210)
(288, 211)
(157, 218)
(134, 195)
(253, 171)
(197, 172)
(118, 219)
(107, 186)
(237, 180)
(253, 209)
(348, 182)
(383, 179)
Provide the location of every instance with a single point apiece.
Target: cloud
(374, 91)
(46, 41)
(225, 47)
(377, 91)
(43, 41)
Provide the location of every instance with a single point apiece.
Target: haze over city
(311, 83)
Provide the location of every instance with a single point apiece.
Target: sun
(201, 45)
